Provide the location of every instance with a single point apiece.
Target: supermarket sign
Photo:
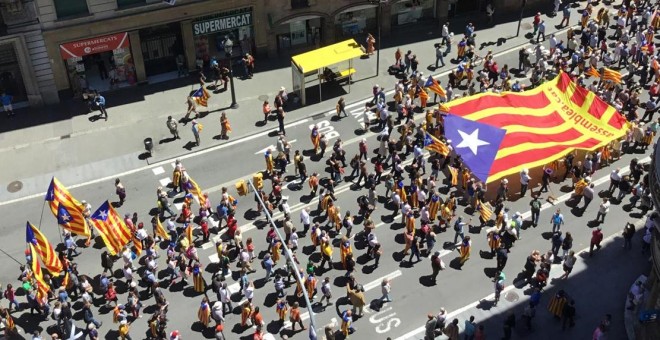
(95, 45)
(220, 24)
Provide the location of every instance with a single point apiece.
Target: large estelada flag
(201, 96)
(113, 230)
(67, 210)
(500, 134)
(42, 287)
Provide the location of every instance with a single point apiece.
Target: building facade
(25, 71)
(652, 329)
(104, 44)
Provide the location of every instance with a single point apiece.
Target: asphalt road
(412, 294)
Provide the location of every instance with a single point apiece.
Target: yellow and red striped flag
(433, 144)
(37, 274)
(138, 246)
(113, 230)
(435, 87)
(197, 191)
(67, 210)
(485, 211)
(189, 233)
(44, 249)
(66, 280)
(541, 125)
(201, 96)
(454, 175)
(611, 75)
(9, 322)
(160, 231)
(592, 72)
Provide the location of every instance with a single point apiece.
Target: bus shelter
(315, 66)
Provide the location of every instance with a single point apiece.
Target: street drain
(511, 296)
(15, 186)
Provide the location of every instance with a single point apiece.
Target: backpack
(457, 226)
(263, 264)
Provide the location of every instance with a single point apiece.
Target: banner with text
(542, 124)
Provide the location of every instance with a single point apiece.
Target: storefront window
(354, 22)
(130, 3)
(70, 8)
(160, 47)
(410, 11)
(211, 31)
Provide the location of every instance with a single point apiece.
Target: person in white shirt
(305, 220)
(603, 210)
(615, 179)
(445, 33)
(524, 181)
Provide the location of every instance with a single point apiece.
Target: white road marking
(178, 206)
(271, 147)
(165, 181)
(367, 287)
(376, 283)
(158, 170)
(161, 163)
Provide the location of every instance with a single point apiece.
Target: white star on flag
(66, 217)
(471, 141)
(103, 214)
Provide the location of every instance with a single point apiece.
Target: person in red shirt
(596, 238)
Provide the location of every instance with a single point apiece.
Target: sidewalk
(74, 146)
(596, 288)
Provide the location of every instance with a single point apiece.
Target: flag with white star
(476, 143)
(111, 227)
(67, 210)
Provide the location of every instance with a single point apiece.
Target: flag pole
(11, 257)
(42, 214)
(289, 256)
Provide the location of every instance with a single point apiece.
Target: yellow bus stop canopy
(328, 55)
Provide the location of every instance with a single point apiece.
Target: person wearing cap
(596, 238)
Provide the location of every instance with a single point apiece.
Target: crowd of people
(400, 171)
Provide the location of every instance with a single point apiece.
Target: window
(70, 8)
(299, 4)
(129, 3)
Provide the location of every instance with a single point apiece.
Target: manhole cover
(15, 186)
(511, 296)
(263, 98)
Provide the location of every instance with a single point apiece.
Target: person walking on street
(225, 126)
(120, 191)
(6, 100)
(557, 241)
(568, 315)
(569, 262)
(603, 209)
(459, 226)
(557, 220)
(628, 233)
(196, 129)
(588, 194)
(280, 120)
(430, 326)
(439, 53)
(567, 244)
(451, 331)
(535, 205)
(524, 181)
(502, 256)
(100, 102)
(173, 127)
(436, 265)
(541, 29)
(470, 328)
(341, 107)
(192, 107)
(596, 238)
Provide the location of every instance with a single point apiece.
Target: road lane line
(367, 287)
(160, 163)
(158, 170)
(165, 181)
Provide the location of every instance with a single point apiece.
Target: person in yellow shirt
(124, 328)
(326, 254)
(345, 249)
(268, 156)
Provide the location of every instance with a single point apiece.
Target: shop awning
(328, 55)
